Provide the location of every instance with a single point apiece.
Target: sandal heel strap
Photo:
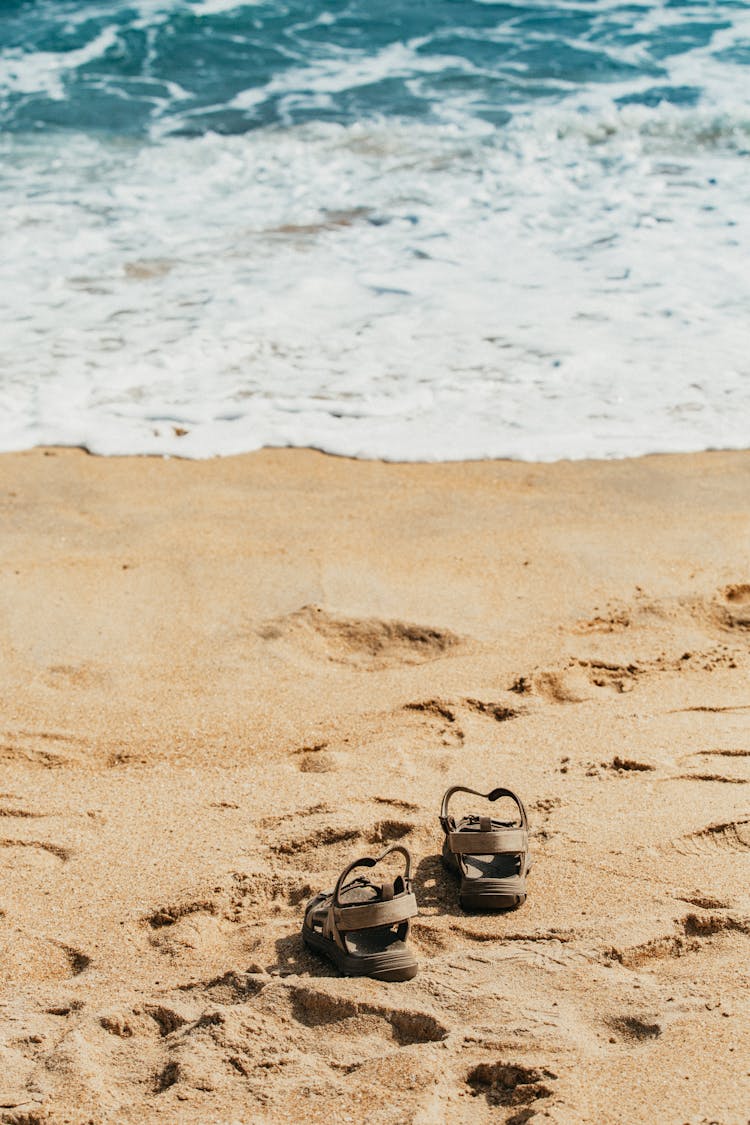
(371, 861)
(499, 842)
(371, 914)
(447, 821)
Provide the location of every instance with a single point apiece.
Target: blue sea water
(409, 230)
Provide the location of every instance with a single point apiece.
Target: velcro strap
(513, 840)
(371, 914)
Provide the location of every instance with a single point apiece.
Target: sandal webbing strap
(367, 915)
(498, 842)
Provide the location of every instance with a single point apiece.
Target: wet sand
(223, 680)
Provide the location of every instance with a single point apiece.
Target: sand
(221, 681)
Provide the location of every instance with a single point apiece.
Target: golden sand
(221, 681)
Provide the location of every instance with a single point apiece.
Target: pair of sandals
(363, 925)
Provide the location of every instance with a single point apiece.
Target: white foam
(573, 286)
(214, 7)
(44, 71)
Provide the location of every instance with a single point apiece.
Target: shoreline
(44, 449)
(223, 679)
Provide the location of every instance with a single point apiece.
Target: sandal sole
(476, 902)
(390, 969)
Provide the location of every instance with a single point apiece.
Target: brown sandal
(490, 856)
(362, 926)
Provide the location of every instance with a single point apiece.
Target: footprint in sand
(420, 725)
(441, 720)
(633, 1029)
(389, 831)
(26, 958)
(315, 1007)
(366, 643)
(314, 848)
(733, 836)
(48, 749)
(508, 1084)
(321, 848)
(583, 679)
(35, 854)
(244, 915)
(230, 988)
(166, 1019)
(692, 934)
(275, 1023)
(732, 606)
(580, 680)
(552, 951)
(727, 611)
(317, 758)
(198, 938)
(734, 765)
(170, 915)
(729, 608)
(447, 712)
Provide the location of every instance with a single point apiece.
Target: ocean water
(408, 230)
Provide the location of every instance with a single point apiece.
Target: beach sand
(221, 681)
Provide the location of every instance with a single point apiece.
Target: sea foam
(551, 275)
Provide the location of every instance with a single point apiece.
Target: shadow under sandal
(363, 926)
(491, 857)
